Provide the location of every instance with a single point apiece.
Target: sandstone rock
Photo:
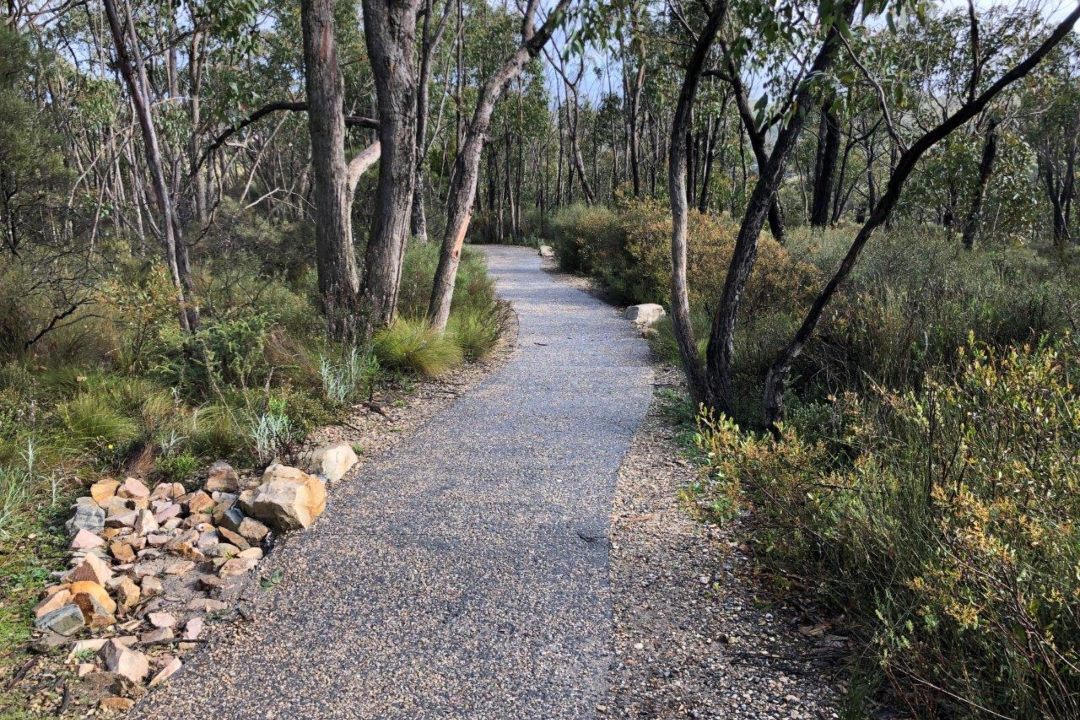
(167, 512)
(171, 668)
(253, 553)
(53, 601)
(206, 605)
(177, 566)
(124, 519)
(115, 704)
(65, 620)
(115, 505)
(199, 502)
(233, 538)
(252, 530)
(103, 489)
(145, 522)
(161, 619)
(122, 552)
(88, 516)
(92, 568)
(133, 488)
(222, 478)
(97, 607)
(125, 662)
(193, 629)
(86, 540)
(151, 586)
(287, 499)
(85, 669)
(89, 645)
(332, 461)
(546, 251)
(645, 314)
(223, 550)
(128, 593)
(157, 635)
(237, 566)
(158, 539)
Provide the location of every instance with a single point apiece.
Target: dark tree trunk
(390, 33)
(986, 169)
(828, 149)
(721, 351)
(335, 257)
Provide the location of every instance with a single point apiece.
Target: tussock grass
(414, 346)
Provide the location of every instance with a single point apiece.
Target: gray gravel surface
(463, 574)
(695, 636)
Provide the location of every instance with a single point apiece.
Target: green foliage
(221, 352)
(414, 346)
(350, 379)
(93, 420)
(178, 467)
(944, 523)
(475, 331)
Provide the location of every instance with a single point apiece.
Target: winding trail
(464, 574)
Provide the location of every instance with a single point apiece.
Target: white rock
(645, 314)
(332, 461)
(547, 251)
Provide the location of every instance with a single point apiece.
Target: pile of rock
(147, 566)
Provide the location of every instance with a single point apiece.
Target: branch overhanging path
(464, 574)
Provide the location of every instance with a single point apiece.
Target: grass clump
(475, 331)
(350, 379)
(414, 346)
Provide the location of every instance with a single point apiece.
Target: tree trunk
(335, 257)
(135, 78)
(721, 351)
(986, 169)
(828, 149)
(677, 167)
(390, 34)
(429, 41)
(467, 163)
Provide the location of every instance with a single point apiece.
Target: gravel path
(694, 635)
(465, 573)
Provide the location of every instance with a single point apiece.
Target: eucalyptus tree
(462, 193)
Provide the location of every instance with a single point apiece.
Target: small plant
(351, 379)
(414, 346)
(92, 420)
(177, 467)
(272, 432)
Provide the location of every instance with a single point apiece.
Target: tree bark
(136, 81)
(986, 169)
(428, 42)
(467, 162)
(335, 257)
(390, 34)
(828, 149)
(721, 351)
(677, 167)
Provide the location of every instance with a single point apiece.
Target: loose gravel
(464, 573)
(693, 636)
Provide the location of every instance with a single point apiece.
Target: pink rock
(84, 540)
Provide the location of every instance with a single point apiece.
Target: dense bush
(944, 523)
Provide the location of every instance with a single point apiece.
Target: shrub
(944, 523)
(221, 352)
(414, 346)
